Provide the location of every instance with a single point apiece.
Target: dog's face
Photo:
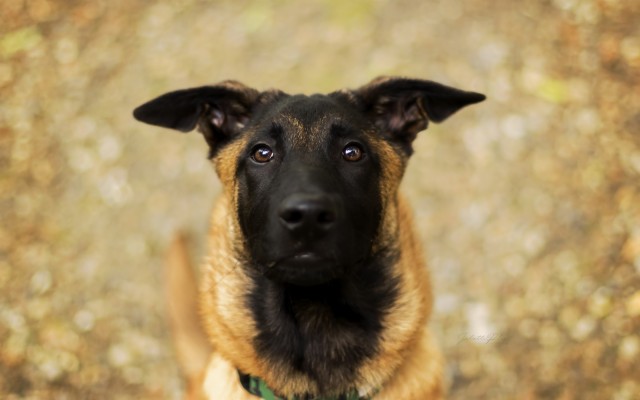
(309, 189)
(311, 174)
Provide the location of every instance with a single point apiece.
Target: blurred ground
(529, 204)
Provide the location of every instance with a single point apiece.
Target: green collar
(258, 387)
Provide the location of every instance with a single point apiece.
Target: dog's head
(311, 175)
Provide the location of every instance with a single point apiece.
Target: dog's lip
(306, 257)
(303, 269)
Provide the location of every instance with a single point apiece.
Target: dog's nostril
(326, 217)
(292, 216)
(308, 213)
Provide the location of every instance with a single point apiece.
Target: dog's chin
(304, 269)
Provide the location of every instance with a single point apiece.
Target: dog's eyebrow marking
(295, 122)
(297, 130)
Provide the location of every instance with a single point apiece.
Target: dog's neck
(327, 331)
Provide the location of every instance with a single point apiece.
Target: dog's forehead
(310, 110)
(307, 121)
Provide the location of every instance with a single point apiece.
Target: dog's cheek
(363, 206)
(226, 163)
(392, 164)
(252, 212)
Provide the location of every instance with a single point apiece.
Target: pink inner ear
(407, 119)
(395, 122)
(415, 115)
(217, 117)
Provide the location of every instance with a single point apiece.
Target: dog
(315, 286)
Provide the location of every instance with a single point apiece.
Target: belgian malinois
(315, 285)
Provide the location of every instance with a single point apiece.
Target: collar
(258, 387)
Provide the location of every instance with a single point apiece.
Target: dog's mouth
(304, 269)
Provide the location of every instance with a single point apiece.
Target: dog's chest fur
(328, 331)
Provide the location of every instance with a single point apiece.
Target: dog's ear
(403, 107)
(220, 111)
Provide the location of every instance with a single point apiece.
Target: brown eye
(352, 152)
(262, 153)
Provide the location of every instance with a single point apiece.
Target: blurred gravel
(529, 204)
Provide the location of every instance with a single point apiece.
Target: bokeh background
(528, 204)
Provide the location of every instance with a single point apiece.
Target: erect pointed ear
(220, 111)
(403, 107)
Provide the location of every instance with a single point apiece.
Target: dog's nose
(308, 213)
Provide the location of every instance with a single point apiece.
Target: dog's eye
(261, 153)
(352, 152)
